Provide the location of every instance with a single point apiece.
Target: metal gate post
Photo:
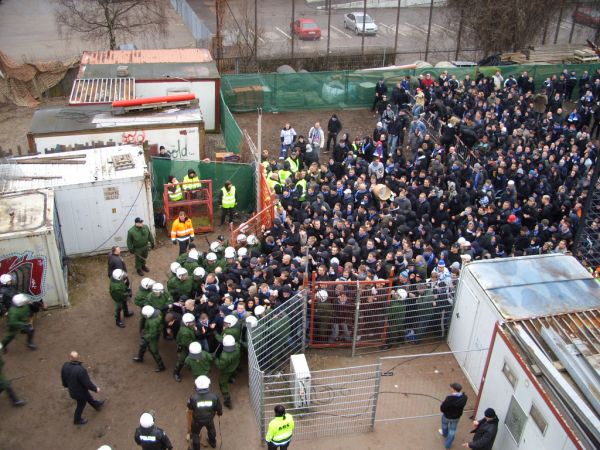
(304, 299)
(261, 402)
(356, 316)
(376, 394)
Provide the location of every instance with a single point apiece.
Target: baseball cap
(139, 220)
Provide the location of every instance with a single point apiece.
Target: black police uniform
(152, 438)
(204, 405)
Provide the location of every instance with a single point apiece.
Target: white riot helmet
(188, 318)
(322, 295)
(147, 283)
(242, 252)
(181, 273)
(146, 420)
(230, 320)
(252, 240)
(199, 272)
(174, 266)
(20, 299)
(259, 310)
(118, 274)
(193, 253)
(241, 238)
(230, 252)
(215, 246)
(147, 311)
(6, 279)
(158, 287)
(228, 341)
(195, 348)
(402, 294)
(105, 447)
(202, 382)
(211, 257)
(251, 322)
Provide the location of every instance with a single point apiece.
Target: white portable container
(31, 246)
(513, 289)
(96, 202)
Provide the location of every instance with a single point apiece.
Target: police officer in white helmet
(202, 407)
(149, 436)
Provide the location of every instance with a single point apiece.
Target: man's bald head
(74, 356)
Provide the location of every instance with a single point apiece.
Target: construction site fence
(368, 316)
(197, 204)
(275, 92)
(232, 133)
(241, 175)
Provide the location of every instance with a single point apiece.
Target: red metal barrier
(198, 205)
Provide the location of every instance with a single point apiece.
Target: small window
(509, 374)
(538, 419)
(515, 420)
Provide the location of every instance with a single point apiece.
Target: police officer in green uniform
(119, 292)
(231, 327)
(180, 284)
(141, 297)
(191, 260)
(150, 336)
(185, 336)
(158, 298)
(5, 385)
(18, 321)
(280, 431)
(138, 238)
(202, 407)
(227, 364)
(198, 361)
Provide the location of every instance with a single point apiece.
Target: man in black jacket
(334, 126)
(76, 379)
(202, 407)
(149, 436)
(452, 409)
(485, 431)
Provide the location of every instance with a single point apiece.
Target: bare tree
(112, 20)
(509, 25)
(241, 33)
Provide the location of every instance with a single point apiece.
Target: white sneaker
(441, 432)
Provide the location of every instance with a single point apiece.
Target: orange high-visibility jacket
(182, 230)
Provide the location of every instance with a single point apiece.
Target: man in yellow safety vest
(228, 201)
(174, 188)
(280, 431)
(191, 183)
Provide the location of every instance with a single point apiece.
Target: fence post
(376, 393)
(304, 314)
(356, 317)
(263, 416)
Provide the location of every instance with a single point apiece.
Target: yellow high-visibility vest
(194, 183)
(280, 429)
(302, 183)
(177, 195)
(228, 197)
(294, 164)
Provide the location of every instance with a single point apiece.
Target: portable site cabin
(31, 245)
(180, 129)
(150, 73)
(513, 289)
(98, 193)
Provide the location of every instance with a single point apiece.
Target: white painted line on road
(439, 27)
(283, 32)
(341, 32)
(393, 29)
(259, 38)
(414, 27)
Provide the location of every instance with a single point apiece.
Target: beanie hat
(490, 413)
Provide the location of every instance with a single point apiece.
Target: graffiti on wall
(29, 271)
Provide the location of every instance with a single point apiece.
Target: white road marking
(414, 27)
(393, 29)
(259, 38)
(447, 30)
(272, 36)
(283, 32)
(341, 32)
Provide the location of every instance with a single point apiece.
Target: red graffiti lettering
(29, 270)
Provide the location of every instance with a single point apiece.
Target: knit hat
(512, 218)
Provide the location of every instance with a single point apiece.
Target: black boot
(30, 344)
(126, 312)
(13, 397)
(177, 376)
(227, 403)
(139, 358)
(145, 268)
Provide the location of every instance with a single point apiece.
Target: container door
(463, 320)
(78, 220)
(479, 345)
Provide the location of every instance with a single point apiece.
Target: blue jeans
(449, 430)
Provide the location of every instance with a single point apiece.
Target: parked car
(306, 29)
(354, 21)
(587, 16)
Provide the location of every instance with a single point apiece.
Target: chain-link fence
(374, 315)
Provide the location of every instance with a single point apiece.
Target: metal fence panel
(333, 402)
(255, 385)
(196, 26)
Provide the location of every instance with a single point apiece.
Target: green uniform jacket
(153, 328)
(118, 291)
(160, 302)
(199, 366)
(280, 330)
(141, 296)
(323, 312)
(177, 287)
(395, 315)
(235, 331)
(139, 237)
(185, 337)
(18, 317)
(189, 265)
(228, 361)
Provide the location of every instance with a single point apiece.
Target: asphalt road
(275, 16)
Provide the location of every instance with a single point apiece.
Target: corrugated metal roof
(102, 90)
(94, 117)
(171, 55)
(25, 212)
(98, 167)
(534, 286)
(153, 71)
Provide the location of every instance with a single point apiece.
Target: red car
(587, 16)
(306, 29)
